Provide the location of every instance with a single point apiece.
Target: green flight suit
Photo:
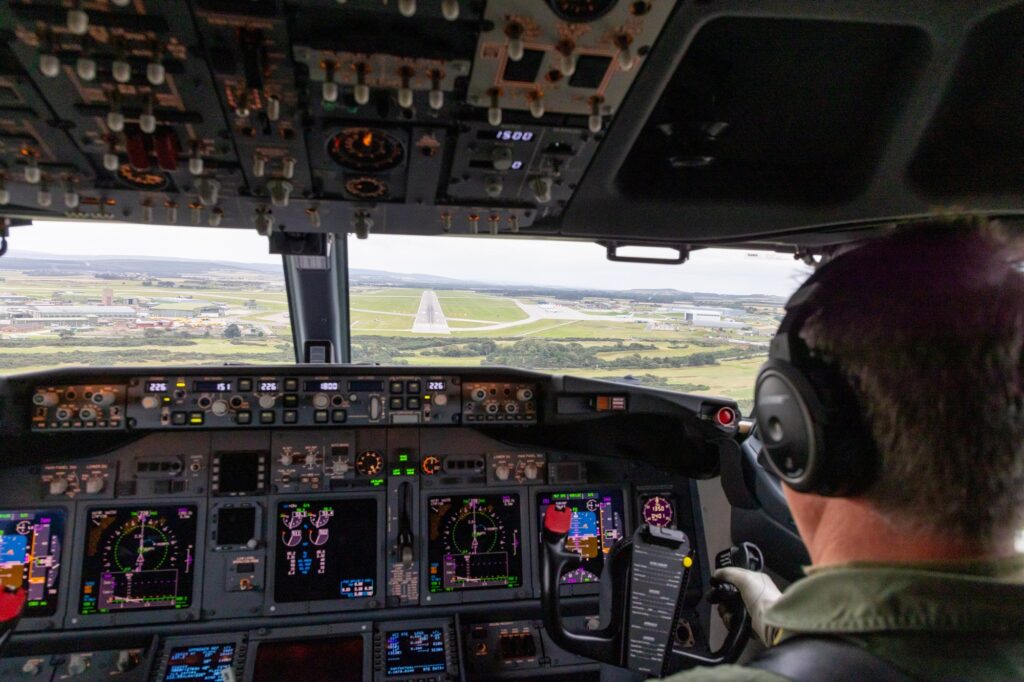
(950, 621)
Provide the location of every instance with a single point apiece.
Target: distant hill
(48, 264)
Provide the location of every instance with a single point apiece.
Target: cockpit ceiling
(762, 125)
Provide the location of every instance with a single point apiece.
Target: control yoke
(12, 605)
(647, 578)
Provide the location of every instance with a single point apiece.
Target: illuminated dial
(365, 149)
(431, 465)
(369, 463)
(581, 11)
(366, 187)
(475, 529)
(141, 179)
(658, 512)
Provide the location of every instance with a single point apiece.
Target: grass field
(382, 321)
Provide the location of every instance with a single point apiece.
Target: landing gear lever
(646, 574)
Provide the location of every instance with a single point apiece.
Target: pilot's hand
(759, 594)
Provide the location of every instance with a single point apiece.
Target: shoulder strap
(809, 659)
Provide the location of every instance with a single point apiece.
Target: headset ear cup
(790, 418)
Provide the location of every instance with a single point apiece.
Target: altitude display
(326, 549)
(409, 652)
(659, 511)
(30, 556)
(475, 542)
(202, 663)
(598, 522)
(138, 558)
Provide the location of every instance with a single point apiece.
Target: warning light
(687, 562)
(725, 416)
(367, 138)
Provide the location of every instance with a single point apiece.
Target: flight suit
(949, 621)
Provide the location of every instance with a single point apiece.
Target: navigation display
(328, 659)
(409, 652)
(326, 549)
(598, 522)
(475, 542)
(138, 558)
(200, 663)
(31, 543)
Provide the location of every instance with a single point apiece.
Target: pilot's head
(902, 381)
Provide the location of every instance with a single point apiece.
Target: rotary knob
(94, 485)
(502, 472)
(310, 460)
(267, 401)
(47, 399)
(78, 664)
(150, 402)
(285, 459)
(220, 407)
(531, 471)
(321, 401)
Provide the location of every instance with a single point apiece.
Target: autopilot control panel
(181, 525)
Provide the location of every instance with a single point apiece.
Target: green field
(694, 359)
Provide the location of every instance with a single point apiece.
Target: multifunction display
(475, 542)
(138, 558)
(409, 652)
(30, 556)
(326, 549)
(598, 522)
(322, 659)
(201, 663)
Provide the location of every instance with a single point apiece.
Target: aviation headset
(814, 435)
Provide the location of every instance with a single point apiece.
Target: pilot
(892, 407)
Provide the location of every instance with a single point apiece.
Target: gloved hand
(759, 593)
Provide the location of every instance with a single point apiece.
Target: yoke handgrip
(601, 645)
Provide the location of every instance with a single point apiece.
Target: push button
(244, 417)
(339, 416)
(245, 385)
(291, 385)
(291, 400)
(196, 419)
(412, 387)
(179, 418)
(267, 417)
(320, 416)
(396, 404)
(397, 387)
(412, 403)
(291, 417)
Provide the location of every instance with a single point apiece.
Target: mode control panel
(228, 402)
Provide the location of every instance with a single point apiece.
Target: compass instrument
(365, 149)
(475, 542)
(138, 558)
(369, 463)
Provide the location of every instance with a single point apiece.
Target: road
(430, 318)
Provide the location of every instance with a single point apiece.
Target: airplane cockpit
(327, 466)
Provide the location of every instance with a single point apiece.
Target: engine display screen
(31, 544)
(598, 522)
(329, 659)
(409, 652)
(235, 525)
(201, 663)
(475, 542)
(138, 558)
(326, 549)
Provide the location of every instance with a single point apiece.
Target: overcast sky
(569, 264)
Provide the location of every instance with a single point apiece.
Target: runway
(430, 318)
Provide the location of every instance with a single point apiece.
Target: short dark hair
(927, 324)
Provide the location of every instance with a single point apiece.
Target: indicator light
(687, 562)
(725, 416)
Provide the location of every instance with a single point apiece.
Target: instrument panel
(312, 115)
(400, 543)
